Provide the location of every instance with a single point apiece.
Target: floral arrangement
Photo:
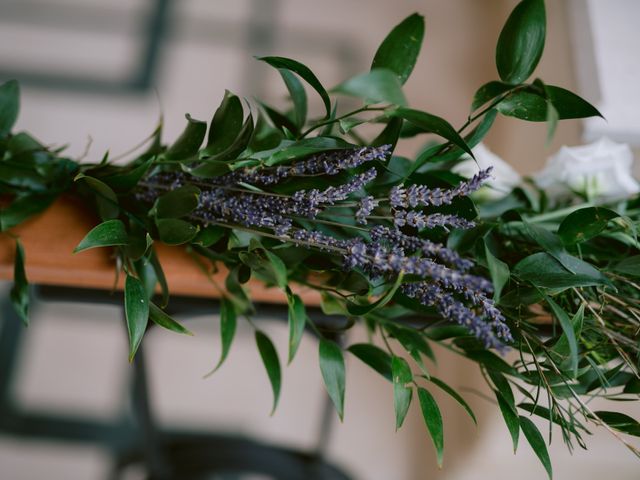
(546, 268)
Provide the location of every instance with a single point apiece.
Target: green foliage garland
(575, 264)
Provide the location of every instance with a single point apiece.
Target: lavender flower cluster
(385, 249)
(325, 163)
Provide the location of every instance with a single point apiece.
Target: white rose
(600, 170)
(503, 177)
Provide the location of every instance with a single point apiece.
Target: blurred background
(96, 76)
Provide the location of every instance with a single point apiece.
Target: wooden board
(49, 240)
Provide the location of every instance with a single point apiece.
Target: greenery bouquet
(396, 244)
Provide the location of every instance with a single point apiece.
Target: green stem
(366, 108)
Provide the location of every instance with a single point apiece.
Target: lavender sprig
(421, 195)
(325, 163)
(383, 251)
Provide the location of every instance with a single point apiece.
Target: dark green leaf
(226, 124)
(20, 290)
(210, 235)
(507, 405)
(632, 386)
(9, 105)
(280, 120)
(525, 105)
(177, 203)
(584, 224)
(297, 322)
(125, 181)
(503, 388)
(445, 332)
(136, 306)
(377, 86)
(402, 391)
(510, 419)
(333, 373)
(433, 419)
(562, 346)
(373, 356)
(521, 41)
(107, 234)
(552, 121)
(399, 51)
(390, 134)
(569, 105)
(431, 124)
(552, 244)
(271, 364)
(161, 318)
(533, 436)
(411, 340)
(569, 333)
(279, 269)
(228, 324)
(147, 275)
(621, 422)
(542, 270)
(455, 395)
(533, 105)
(488, 92)
(544, 412)
(160, 277)
(22, 142)
(304, 72)
(433, 154)
(233, 151)
(298, 96)
(499, 272)
(209, 169)
(188, 143)
(106, 199)
(173, 231)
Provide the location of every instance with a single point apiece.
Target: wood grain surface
(49, 240)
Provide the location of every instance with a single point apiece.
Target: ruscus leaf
(189, 142)
(431, 124)
(19, 293)
(136, 305)
(164, 320)
(228, 323)
(304, 72)
(373, 356)
(271, 364)
(399, 51)
(402, 391)
(297, 321)
(107, 234)
(521, 41)
(9, 105)
(433, 419)
(535, 439)
(333, 373)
